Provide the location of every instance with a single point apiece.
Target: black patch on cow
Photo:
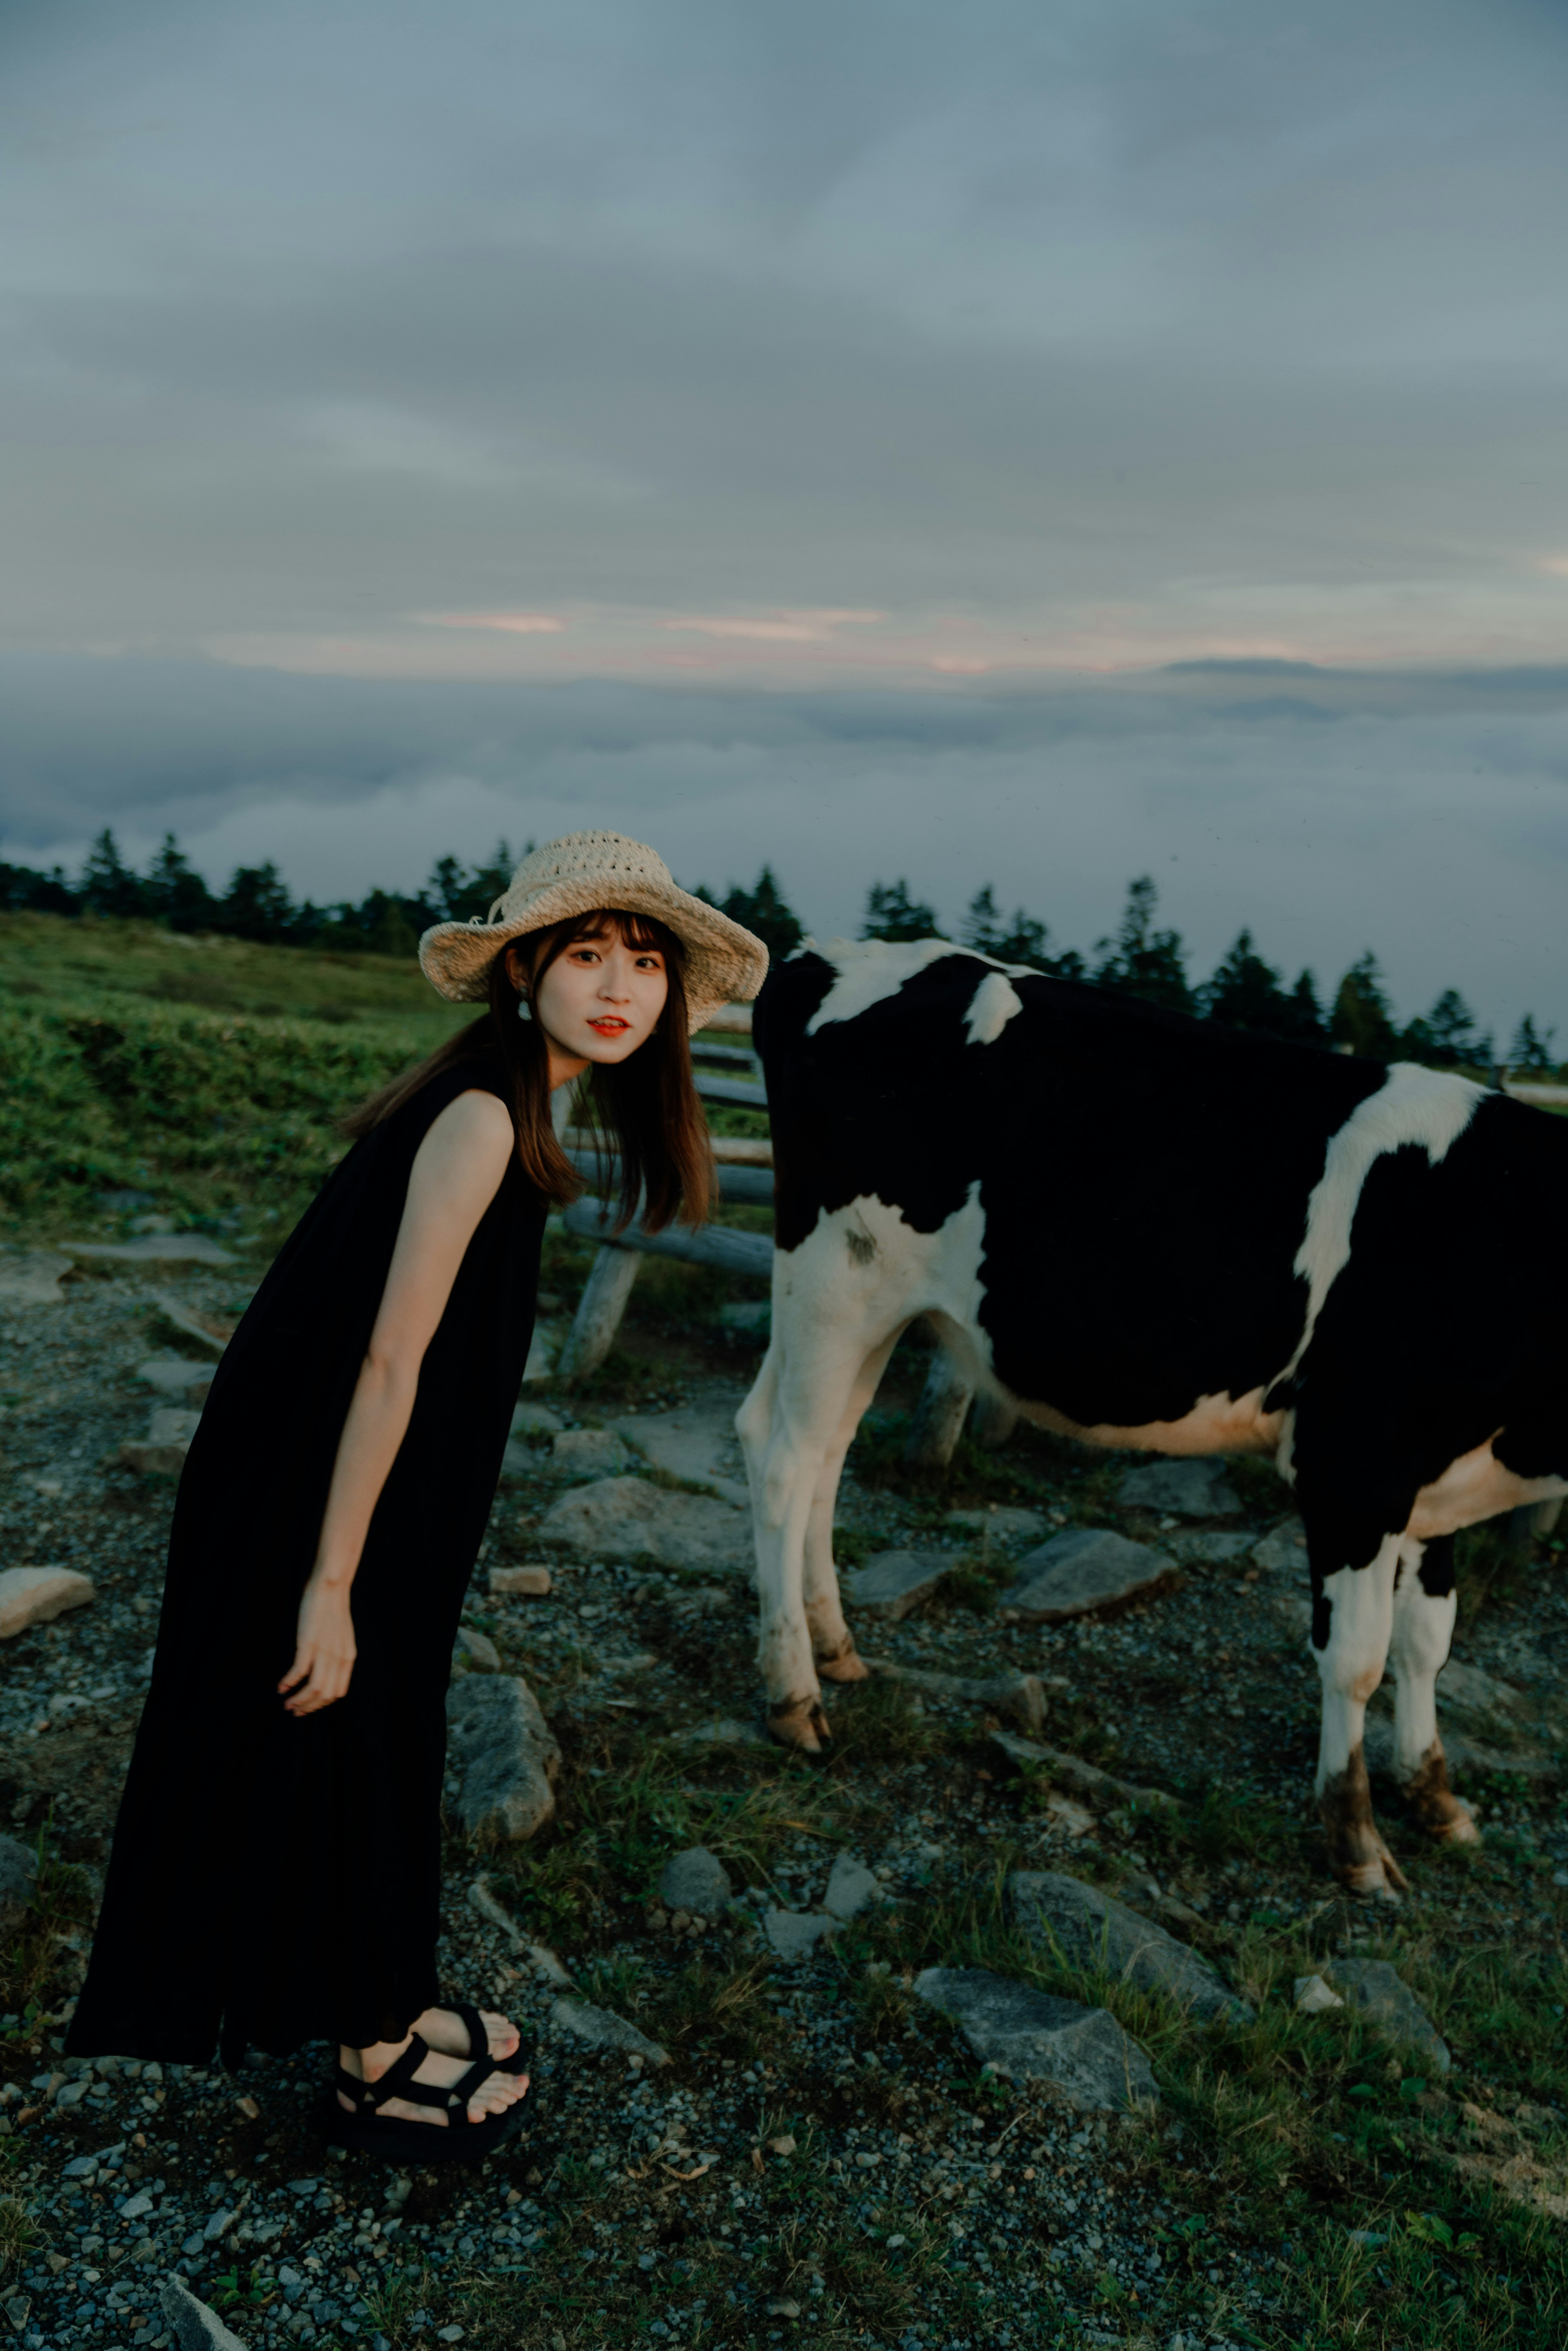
(1436, 1568)
(1323, 1616)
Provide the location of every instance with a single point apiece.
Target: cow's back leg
(1424, 1607)
(1353, 1621)
(832, 1642)
(788, 1427)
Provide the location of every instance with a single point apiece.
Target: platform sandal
(367, 2131)
(479, 2039)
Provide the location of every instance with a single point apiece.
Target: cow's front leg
(1424, 1607)
(832, 1644)
(1352, 1611)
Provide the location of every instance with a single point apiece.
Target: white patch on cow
(991, 1007)
(1413, 1106)
(1417, 1652)
(870, 969)
(1350, 1666)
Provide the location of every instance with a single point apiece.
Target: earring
(525, 1010)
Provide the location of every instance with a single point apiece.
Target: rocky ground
(755, 2113)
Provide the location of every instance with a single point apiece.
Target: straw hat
(724, 963)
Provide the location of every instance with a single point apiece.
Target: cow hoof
(802, 1725)
(1376, 1878)
(1458, 1828)
(844, 1667)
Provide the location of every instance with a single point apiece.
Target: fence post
(599, 1312)
(938, 1415)
(993, 1421)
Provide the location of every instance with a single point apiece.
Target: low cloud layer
(1424, 816)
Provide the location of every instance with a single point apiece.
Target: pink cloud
(511, 624)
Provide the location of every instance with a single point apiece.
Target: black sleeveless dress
(275, 1880)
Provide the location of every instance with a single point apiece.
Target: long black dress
(275, 1880)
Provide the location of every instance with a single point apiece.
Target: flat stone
(892, 1583)
(697, 1442)
(602, 2029)
(1313, 1996)
(697, 1881)
(1019, 1696)
(534, 1420)
(506, 1753)
(1185, 1488)
(148, 1459)
(1479, 1697)
(521, 1583)
(1081, 2052)
(627, 1518)
(1373, 1989)
(173, 1424)
(1088, 1568)
(520, 1461)
(172, 1374)
(1217, 1548)
(1008, 1525)
(1283, 1551)
(724, 1731)
(37, 1595)
(1464, 1755)
(1093, 1929)
(852, 1888)
(154, 1248)
(18, 1870)
(794, 1934)
(32, 1277)
(477, 1651)
(543, 1349)
(194, 2325)
(589, 1452)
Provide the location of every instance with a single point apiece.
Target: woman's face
(601, 999)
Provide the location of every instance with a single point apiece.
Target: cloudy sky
(890, 439)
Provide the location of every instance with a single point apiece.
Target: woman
(276, 1870)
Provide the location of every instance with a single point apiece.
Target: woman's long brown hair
(646, 1107)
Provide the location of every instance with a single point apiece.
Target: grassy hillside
(205, 1073)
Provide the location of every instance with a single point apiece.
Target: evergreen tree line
(1140, 958)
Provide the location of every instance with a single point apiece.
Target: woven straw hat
(724, 964)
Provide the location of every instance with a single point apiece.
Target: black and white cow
(1142, 1230)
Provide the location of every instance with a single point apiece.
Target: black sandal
(479, 2039)
(370, 2132)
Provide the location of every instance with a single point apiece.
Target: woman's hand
(324, 1649)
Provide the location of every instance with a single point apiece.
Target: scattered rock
(696, 1441)
(852, 1888)
(1217, 1548)
(893, 1582)
(1021, 1697)
(703, 1600)
(724, 1731)
(154, 1248)
(1479, 1697)
(543, 1349)
(601, 2029)
(534, 1420)
(208, 1331)
(627, 1518)
(196, 2327)
(521, 1583)
(793, 1934)
(1006, 1525)
(166, 1444)
(18, 1869)
(37, 1595)
(1313, 1996)
(1087, 1569)
(1186, 1489)
(697, 1881)
(1465, 1755)
(1069, 1815)
(506, 1754)
(590, 1452)
(32, 1277)
(1373, 1989)
(1094, 1931)
(544, 1960)
(1283, 1551)
(1081, 2052)
(1073, 1772)
(474, 1651)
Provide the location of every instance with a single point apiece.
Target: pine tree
(257, 906)
(892, 913)
(108, 885)
(1529, 1049)
(1140, 960)
(1246, 992)
(1446, 1036)
(1362, 1020)
(173, 892)
(764, 911)
(984, 931)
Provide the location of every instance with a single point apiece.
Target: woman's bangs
(633, 930)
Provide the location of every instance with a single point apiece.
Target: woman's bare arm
(457, 1173)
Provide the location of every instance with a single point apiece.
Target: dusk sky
(884, 439)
